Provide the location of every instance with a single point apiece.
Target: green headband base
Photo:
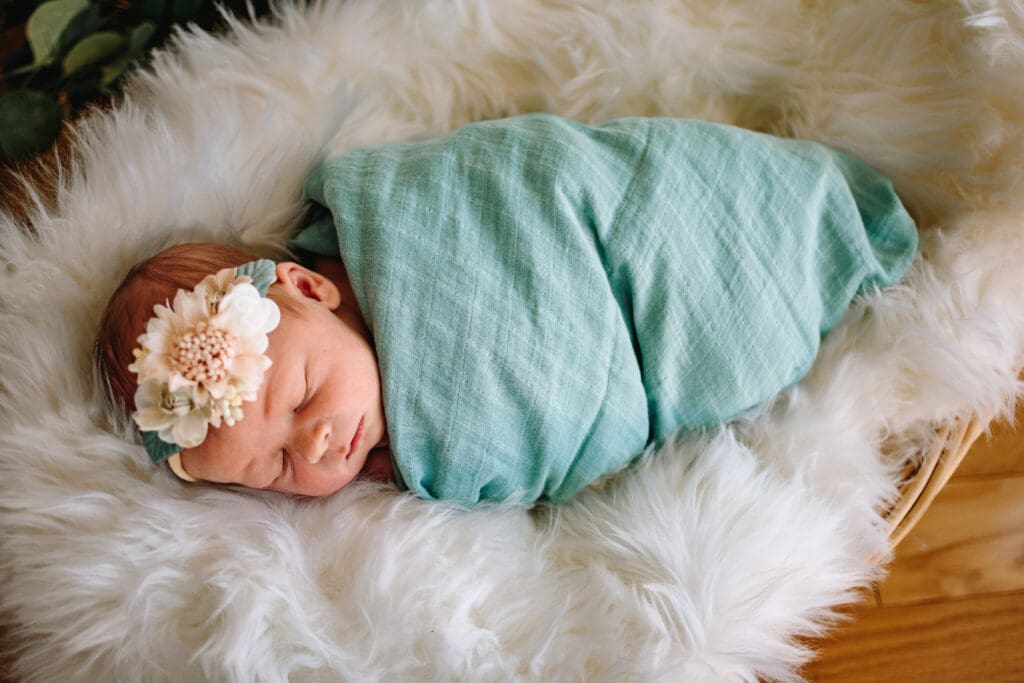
(158, 449)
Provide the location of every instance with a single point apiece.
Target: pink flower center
(203, 353)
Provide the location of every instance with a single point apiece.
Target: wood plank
(970, 542)
(974, 639)
(999, 452)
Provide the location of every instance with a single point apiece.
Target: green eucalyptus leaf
(140, 36)
(137, 39)
(262, 271)
(29, 122)
(21, 71)
(46, 25)
(113, 71)
(92, 49)
(83, 25)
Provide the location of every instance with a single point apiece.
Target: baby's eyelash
(282, 454)
(284, 463)
(307, 397)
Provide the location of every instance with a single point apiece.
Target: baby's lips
(357, 437)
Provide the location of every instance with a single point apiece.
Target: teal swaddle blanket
(547, 298)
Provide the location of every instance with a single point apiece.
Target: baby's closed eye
(307, 393)
(284, 465)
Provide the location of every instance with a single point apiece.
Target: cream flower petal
(162, 315)
(248, 370)
(166, 323)
(251, 346)
(155, 338)
(259, 315)
(159, 409)
(176, 383)
(167, 434)
(268, 316)
(214, 287)
(153, 419)
(261, 320)
(150, 416)
(155, 343)
(190, 431)
(236, 310)
(190, 308)
(201, 395)
(216, 284)
(216, 390)
(152, 366)
(148, 394)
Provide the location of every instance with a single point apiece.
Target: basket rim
(953, 441)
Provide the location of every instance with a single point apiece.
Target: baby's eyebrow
(264, 392)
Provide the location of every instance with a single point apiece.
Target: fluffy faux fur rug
(704, 563)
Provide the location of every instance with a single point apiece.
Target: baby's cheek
(202, 464)
(307, 482)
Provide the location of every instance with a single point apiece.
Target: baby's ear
(304, 283)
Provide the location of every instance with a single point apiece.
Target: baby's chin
(320, 490)
(376, 467)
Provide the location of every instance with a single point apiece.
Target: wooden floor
(952, 608)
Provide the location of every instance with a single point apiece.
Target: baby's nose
(316, 442)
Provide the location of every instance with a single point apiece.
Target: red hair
(151, 282)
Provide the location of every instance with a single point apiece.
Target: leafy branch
(58, 56)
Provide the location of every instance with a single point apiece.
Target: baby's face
(319, 411)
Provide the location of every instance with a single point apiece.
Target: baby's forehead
(298, 325)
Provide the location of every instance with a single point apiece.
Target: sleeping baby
(507, 313)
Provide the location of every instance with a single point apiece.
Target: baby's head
(274, 389)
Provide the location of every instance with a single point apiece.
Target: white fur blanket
(705, 562)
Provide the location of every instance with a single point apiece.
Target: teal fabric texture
(548, 298)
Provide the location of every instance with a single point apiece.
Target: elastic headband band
(175, 462)
(202, 358)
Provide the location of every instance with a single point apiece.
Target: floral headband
(200, 359)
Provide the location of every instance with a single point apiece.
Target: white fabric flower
(200, 359)
(173, 415)
(214, 287)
